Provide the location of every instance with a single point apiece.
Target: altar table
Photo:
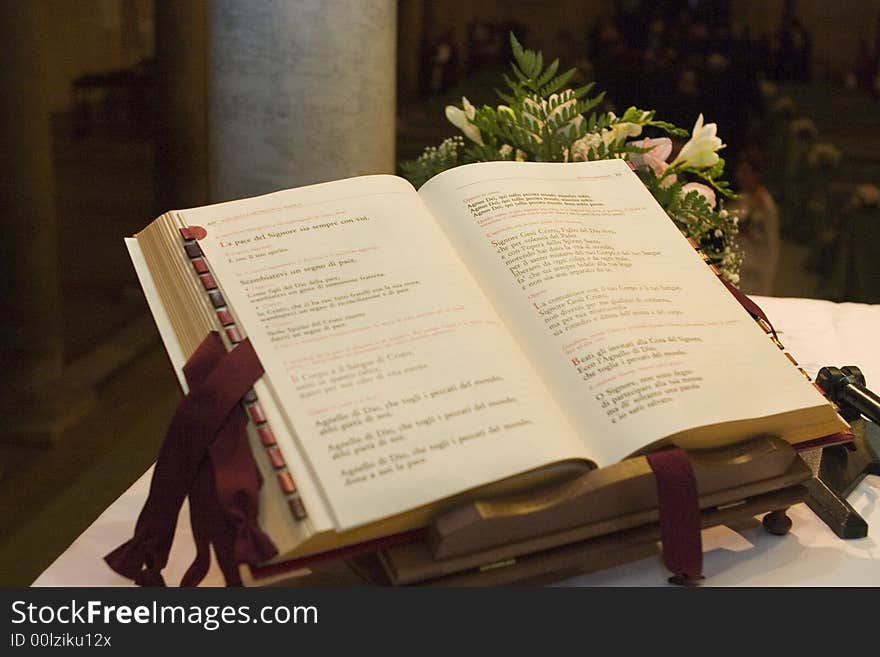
(816, 333)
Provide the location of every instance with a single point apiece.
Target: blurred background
(114, 111)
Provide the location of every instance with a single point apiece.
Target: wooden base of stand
(597, 520)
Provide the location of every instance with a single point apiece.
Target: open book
(505, 324)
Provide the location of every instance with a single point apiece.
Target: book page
(400, 381)
(633, 333)
(154, 302)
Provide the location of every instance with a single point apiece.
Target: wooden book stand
(596, 520)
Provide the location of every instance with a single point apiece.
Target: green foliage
(712, 229)
(712, 177)
(543, 120)
(532, 78)
(434, 160)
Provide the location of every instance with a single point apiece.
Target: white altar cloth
(816, 333)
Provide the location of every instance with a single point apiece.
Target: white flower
(620, 131)
(701, 151)
(608, 136)
(581, 147)
(506, 151)
(461, 119)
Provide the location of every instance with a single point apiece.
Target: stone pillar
(298, 93)
(34, 405)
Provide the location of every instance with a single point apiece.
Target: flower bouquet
(543, 120)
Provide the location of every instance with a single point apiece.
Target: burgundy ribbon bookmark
(677, 496)
(679, 506)
(205, 456)
(750, 306)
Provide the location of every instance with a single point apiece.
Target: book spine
(250, 402)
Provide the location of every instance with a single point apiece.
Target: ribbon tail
(142, 558)
(200, 520)
(210, 527)
(136, 561)
(222, 513)
(224, 541)
(252, 545)
(680, 522)
(237, 481)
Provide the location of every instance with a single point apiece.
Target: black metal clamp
(842, 467)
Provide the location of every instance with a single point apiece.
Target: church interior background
(111, 115)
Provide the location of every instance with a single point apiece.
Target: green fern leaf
(670, 129)
(516, 48)
(548, 74)
(558, 82)
(538, 66)
(521, 76)
(584, 106)
(580, 92)
(508, 99)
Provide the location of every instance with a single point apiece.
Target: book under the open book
(506, 324)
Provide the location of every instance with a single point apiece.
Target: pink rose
(703, 190)
(655, 158)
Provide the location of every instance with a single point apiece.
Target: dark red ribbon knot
(206, 456)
